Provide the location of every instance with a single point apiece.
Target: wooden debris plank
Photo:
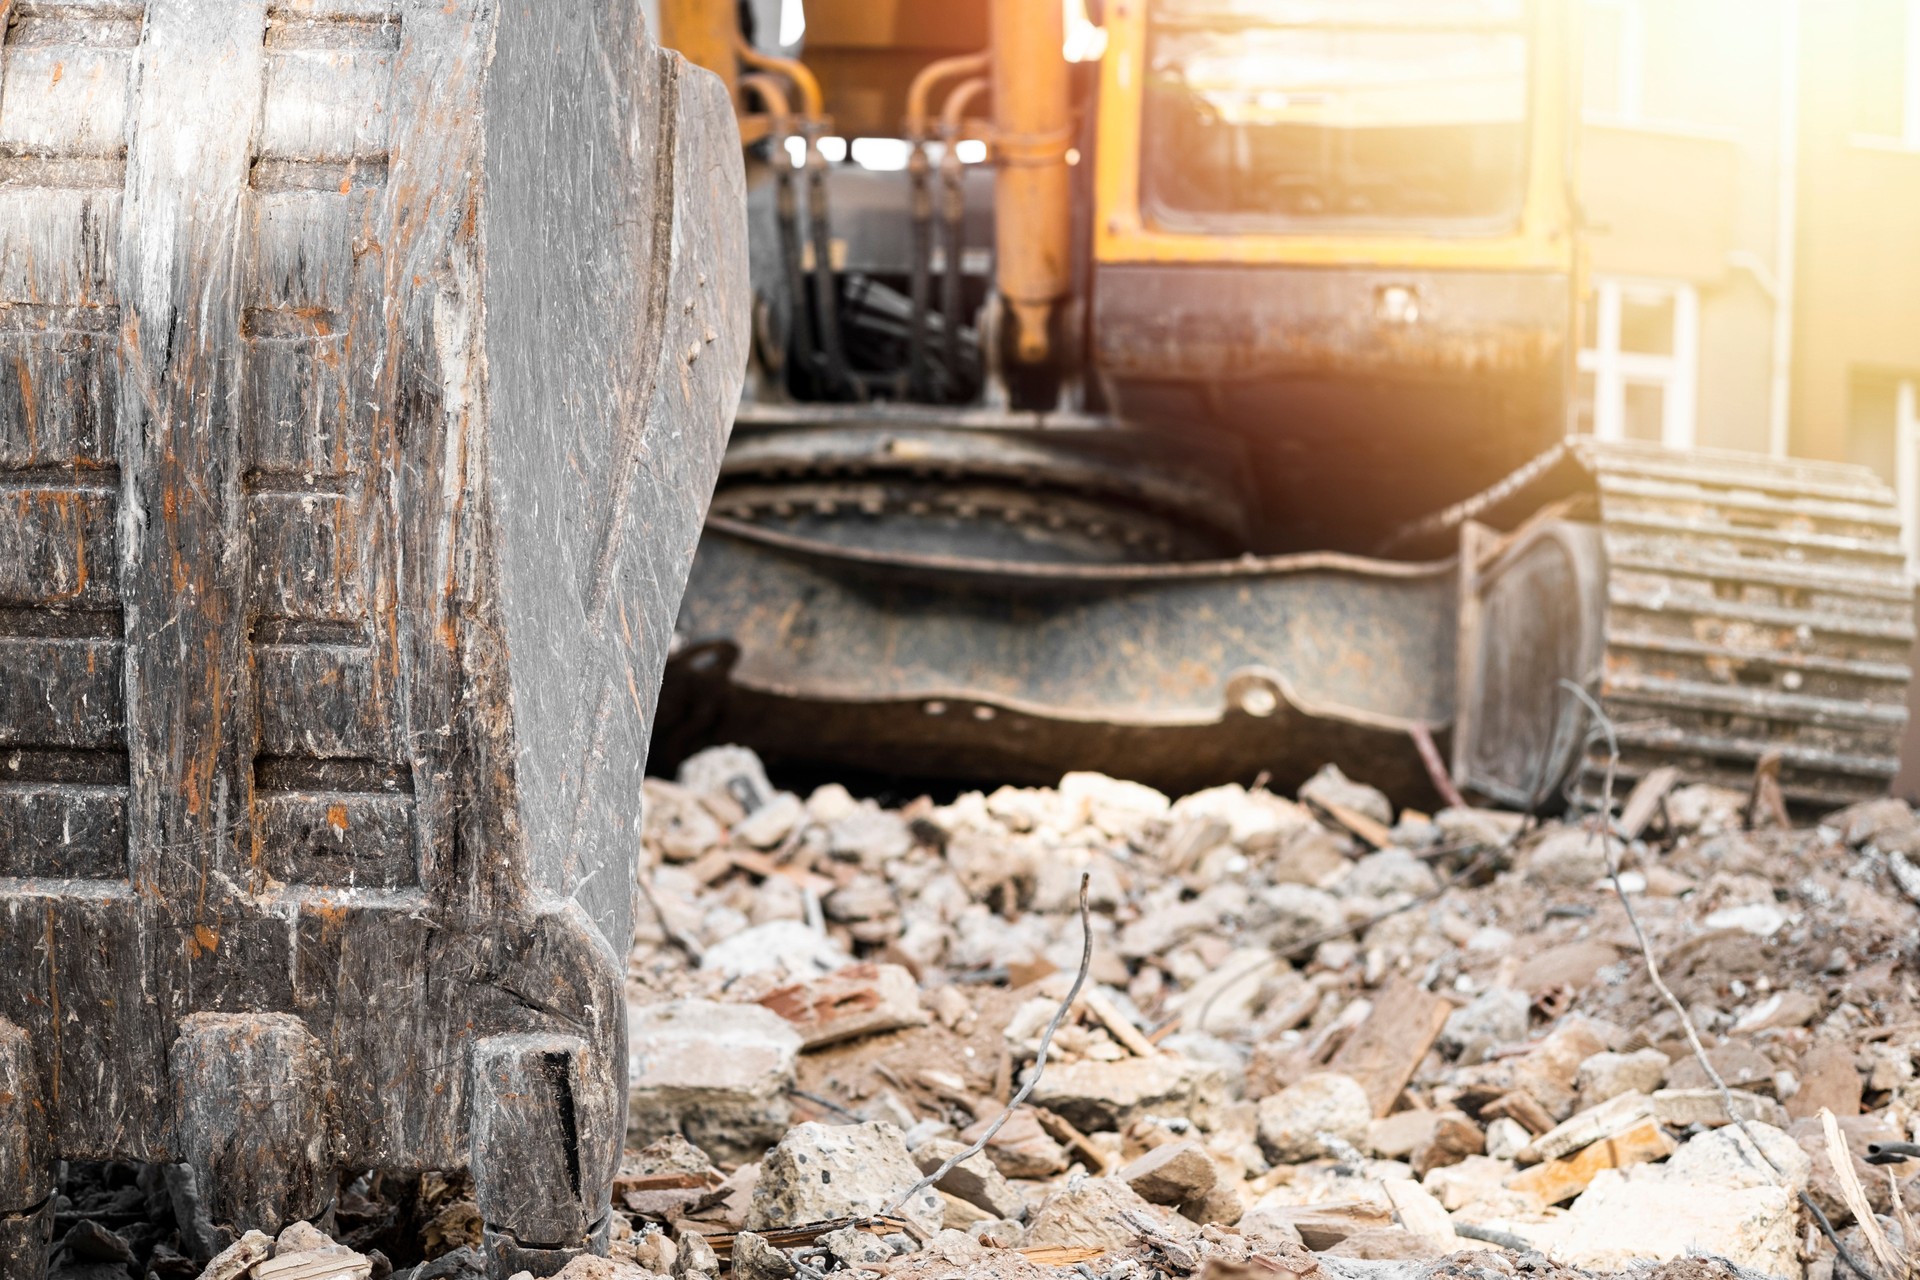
(1385, 1049)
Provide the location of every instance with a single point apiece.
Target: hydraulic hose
(839, 379)
(920, 171)
(832, 357)
(954, 198)
(787, 213)
(813, 104)
(919, 118)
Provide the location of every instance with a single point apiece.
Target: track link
(1755, 606)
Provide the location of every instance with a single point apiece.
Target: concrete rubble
(717, 1073)
(1319, 1035)
(1323, 1021)
(819, 1172)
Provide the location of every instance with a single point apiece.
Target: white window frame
(1908, 138)
(1677, 374)
(1630, 88)
(1906, 466)
(1910, 80)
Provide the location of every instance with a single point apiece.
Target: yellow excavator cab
(1408, 134)
(1344, 233)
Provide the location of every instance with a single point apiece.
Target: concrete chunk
(1584, 1128)
(1684, 1108)
(1093, 1213)
(1330, 787)
(1180, 1175)
(716, 1073)
(975, 1180)
(1725, 1158)
(1621, 1221)
(1608, 1075)
(1093, 1095)
(1566, 1177)
(820, 1172)
(859, 1000)
(1314, 1118)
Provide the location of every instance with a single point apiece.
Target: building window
(1640, 367)
(1906, 434)
(1883, 433)
(1614, 46)
(1886, 71)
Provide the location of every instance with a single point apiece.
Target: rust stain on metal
(204, 942)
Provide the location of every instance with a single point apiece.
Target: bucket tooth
(26, 1161)
(251, 1110)
(542, 1196)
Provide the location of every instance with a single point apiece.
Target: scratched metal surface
(1180, 675)
(365, 366)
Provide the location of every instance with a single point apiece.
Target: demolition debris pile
(1314, 1035)
(1308, 1022)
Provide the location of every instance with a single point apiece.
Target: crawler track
(1735, 607)
(1754, 606)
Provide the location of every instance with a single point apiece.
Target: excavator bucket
(365, 366)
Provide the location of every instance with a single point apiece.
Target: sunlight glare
(793, 22)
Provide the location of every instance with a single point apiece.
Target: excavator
(1200, 410)
(1187, 412)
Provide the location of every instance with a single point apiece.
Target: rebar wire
(1039, 1063)
(827, 1104)
(1611, 848)
(1490, 1235)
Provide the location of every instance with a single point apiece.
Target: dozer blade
(1179, 675)
(1005, 604)
(1701, 598)
(365, 366)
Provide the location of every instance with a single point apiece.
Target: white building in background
(1751, 178)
